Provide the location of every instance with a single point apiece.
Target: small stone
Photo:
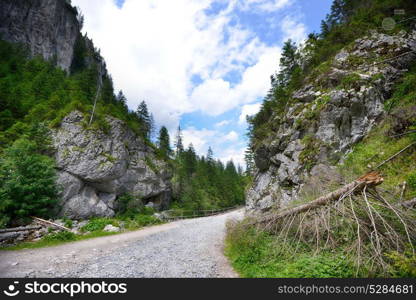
(111, 228)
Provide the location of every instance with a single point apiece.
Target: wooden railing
(179, 214)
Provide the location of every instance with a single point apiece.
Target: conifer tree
(164, 142)
(144, 118)
(178, 142)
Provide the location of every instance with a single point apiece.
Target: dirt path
(187, 248)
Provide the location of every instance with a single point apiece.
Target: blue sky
(203, 64)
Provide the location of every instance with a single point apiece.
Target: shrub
(62, 236)
(128, 205)
(27, 182)
(98, 224)
(145, 220)
(403, 264)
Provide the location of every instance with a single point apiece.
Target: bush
(403, 264)
(27, 182)
(62, 236)
(98, 224)
(128, 205)
(145, 220)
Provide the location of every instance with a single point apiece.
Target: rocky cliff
(46, 27)
(341, 102)
(96, 167)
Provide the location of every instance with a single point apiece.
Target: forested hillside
(340, 111)
(38, 161)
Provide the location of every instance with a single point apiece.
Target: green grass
(255, 254)
(258, 254)
(378, 147)
(56, 239)
(93, 229)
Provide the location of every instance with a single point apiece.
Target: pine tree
(249, 159)
(210, 155)
(164, 142)
(144, 118)
(121, 98)
(288, 62)
(152, 127)
(178, 142)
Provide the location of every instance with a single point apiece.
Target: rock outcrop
(48, 28)
(334, 111)
(95, 168)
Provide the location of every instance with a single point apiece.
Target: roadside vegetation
(370, 233)
(129, 220)
(35, 97)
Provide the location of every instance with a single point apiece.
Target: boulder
(95, 167)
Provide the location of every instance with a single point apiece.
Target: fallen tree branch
(16, 229)
(370, 179)
(39, 220)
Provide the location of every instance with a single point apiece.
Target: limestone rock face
(326, 117)
(96, 167)
(48, 28)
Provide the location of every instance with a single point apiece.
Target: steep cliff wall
(96, 167)
(46, 27)
(336, 109)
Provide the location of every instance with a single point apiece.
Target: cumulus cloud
(248, 110)
(265, 5)
(226, 146)
(154, 48)
(293, 29)
(232, 136)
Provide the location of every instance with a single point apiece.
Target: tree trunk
(369, 179)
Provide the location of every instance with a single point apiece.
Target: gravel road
(186, 248)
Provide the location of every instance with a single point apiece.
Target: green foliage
(62, 236)
(164, 142)
(254, 254)
(35, 91)
(68, 222)
(97, 224)
(347, 21)
(27, 181)
(308, 155)
(128, 205)
(404, 92)
(350, 81)
(201, 183)
(403, 264)
(411, 180)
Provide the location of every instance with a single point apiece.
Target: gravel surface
(187, 248)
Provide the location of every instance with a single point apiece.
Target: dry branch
(45, 222)
(370, 179)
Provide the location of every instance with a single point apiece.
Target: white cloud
(222, 123)
(232, 136)
(153, 49)
(234, 154)
(293, 29)
(265, 5)
(248, 110)
(201, 139)
(198, 138)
